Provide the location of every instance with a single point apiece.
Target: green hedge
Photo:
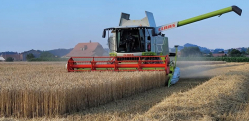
(49, 59)
(227, 59)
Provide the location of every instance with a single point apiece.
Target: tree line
(45, 56)
(196, 52)
(227, 59)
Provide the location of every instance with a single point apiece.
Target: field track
(138, 105)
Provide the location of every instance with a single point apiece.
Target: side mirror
(104, 33)
(148, 38)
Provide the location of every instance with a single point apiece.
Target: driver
(130, 41)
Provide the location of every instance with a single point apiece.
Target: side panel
(159, 45)
(153, 44)
(165, 46)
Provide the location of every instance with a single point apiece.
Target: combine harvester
(139, 45)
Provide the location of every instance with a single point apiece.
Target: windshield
(130, 40)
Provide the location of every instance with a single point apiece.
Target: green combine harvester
(140, 45)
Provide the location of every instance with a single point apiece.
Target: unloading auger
(139, 45)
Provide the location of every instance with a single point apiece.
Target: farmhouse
(219, 54)
(2, 59)
(87, 49)
(14, 55)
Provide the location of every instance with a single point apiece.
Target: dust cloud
(201, 69)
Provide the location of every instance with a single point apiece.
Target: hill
(203, 49)
(8, 53)
(60, 52)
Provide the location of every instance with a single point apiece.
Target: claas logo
(128, 55)
(167, 27)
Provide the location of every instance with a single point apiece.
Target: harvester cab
(136, 37)
(139, 45)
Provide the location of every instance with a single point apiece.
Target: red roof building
(218, 54)
(87, 49)
(16, 56)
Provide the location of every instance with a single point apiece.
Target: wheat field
(212, 92)
(47, 89)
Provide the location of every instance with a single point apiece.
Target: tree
(210, 54)
(247, 51)
(234, 53)
(9, 59)
(30, 56)
(243, 53)
(191, 52)
(46, 54)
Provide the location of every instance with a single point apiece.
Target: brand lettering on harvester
(167, 27)
(128, 55)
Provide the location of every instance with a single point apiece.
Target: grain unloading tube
(165, 27)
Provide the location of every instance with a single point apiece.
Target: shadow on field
(142, 102)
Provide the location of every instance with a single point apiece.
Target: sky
(53, 24)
